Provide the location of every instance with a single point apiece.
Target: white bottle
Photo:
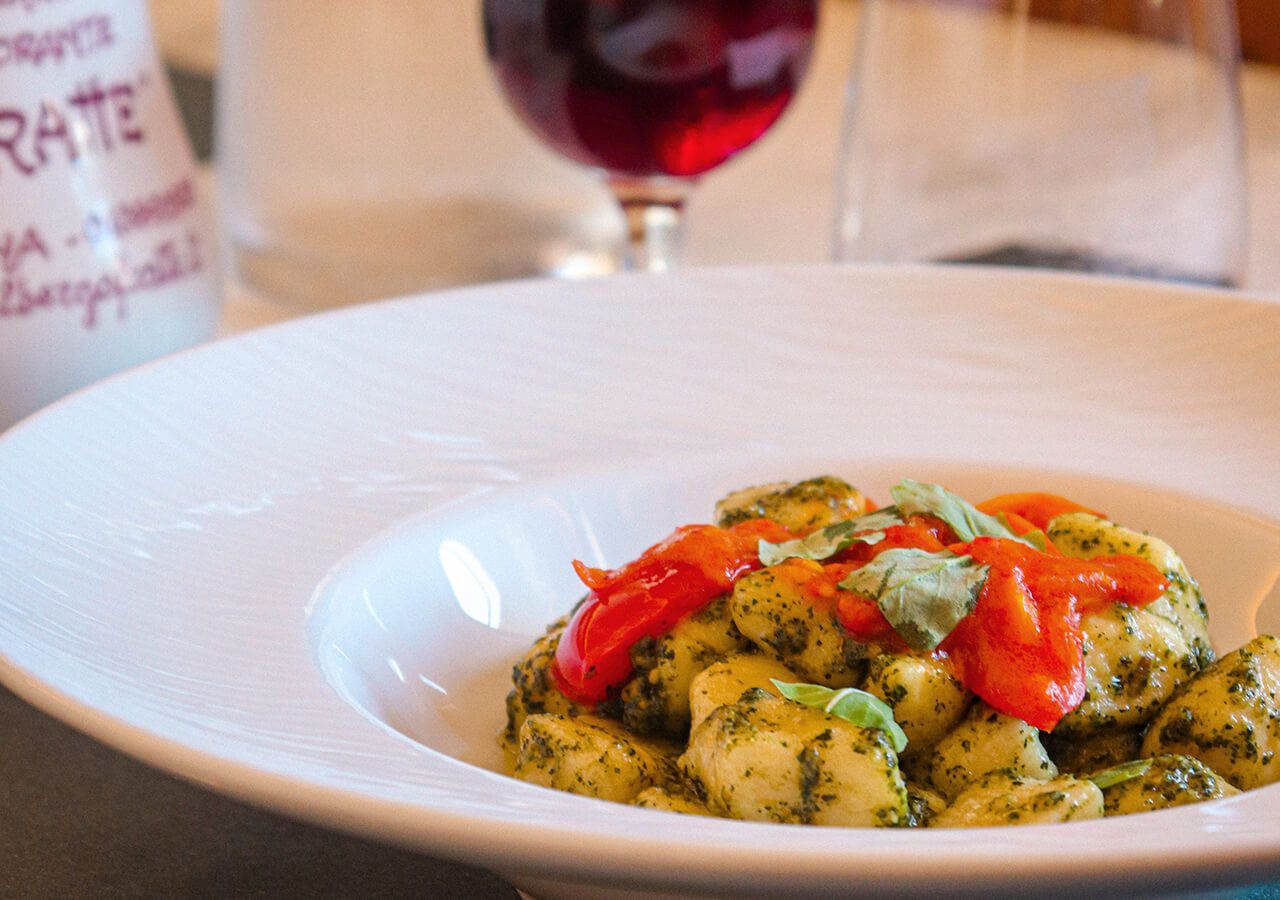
(108, 254)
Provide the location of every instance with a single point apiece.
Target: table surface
(79, 820)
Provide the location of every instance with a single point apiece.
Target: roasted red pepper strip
(924, 533)
(1022, 656)
(1021, 649)
(649, 595)
(1037, 508)
(1020, 526)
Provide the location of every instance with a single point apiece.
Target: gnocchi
(818, 660)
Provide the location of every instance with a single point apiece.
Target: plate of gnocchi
(808, 581)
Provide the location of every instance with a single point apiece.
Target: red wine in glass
(654, 93)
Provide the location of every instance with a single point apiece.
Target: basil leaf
(822, 544)
(880, 519)
(1121, 773)
(831, 539)
(923, 595)
(850, 704)
(919, 498)
(826, 542)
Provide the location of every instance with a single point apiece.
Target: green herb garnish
(850, 704)
(826, 542)
(923, 595)
(1121, 773)
(919, 498)
(822, 544)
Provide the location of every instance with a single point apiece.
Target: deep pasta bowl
(297, 565)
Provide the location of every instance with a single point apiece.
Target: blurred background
(804, 145)
(187, 32)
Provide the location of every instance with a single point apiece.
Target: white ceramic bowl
(297, 566)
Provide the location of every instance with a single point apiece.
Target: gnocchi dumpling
(1085, 535)
(1228, 717)
(801, 507)
(1009, 798)
(655, 700)
(534, 690)
(1134, 660)
(669, 799)
(1167, 780)
(590, 755)
(771, 608)
(927, 700)
(765, 758)
(987, 741)
(726, 680)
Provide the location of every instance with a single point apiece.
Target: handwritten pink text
(127, 216)
(94, 117)
(168, 261)
(77, 39)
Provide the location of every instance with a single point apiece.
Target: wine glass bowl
(652, 93)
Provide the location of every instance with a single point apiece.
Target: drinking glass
(1095, 135)
(363, 151)
(652, 93)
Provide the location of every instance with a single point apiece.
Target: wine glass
(653, 93)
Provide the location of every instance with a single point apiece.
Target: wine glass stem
(655, 224)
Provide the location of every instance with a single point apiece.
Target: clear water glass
(1101, 137)
(363, 152)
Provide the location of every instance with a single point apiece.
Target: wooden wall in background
(1259, 20)
(1260, 29)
